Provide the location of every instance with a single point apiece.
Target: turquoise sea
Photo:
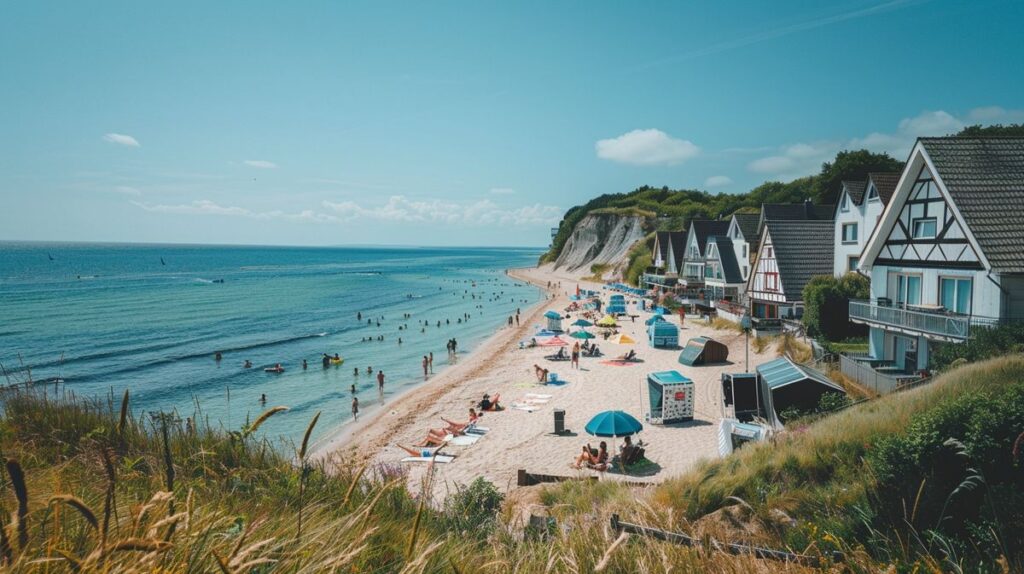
(105, 317)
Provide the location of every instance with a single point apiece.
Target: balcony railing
(939, 324)
(880, 376)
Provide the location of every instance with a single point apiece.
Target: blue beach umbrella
(613, 424)
(582, 335)
(582, 323)
(553, 315)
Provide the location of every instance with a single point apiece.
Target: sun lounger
(441, 458)
(538, 396)
(475, 429)
(525, 407)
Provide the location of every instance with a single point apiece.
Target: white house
(667, 257)
(947, 256)
(857, 212)
(692, 274)
(743, 234)
(724, 278)
(790, 253)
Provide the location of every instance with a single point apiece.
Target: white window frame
(844, 203)
(873, 194)
(853, 225)
(921, 220)
(851, 262)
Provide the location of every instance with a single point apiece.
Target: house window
(769, 252)
(873, 194)
(745, 271)
(771, 281)
(955, 294)
(851, 263)
(924, 228)
(908, 289)
(849, 233)
(844, 204)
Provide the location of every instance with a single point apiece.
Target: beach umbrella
(622, 339)
(582, 335)
(553, 315)
(555, 341)
(613, 424)
(607, 321)
(582, 323)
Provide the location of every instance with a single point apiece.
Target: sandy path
(519, 439)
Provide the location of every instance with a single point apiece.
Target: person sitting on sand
(490, 404)
(630, 356)
(542, 373)
(461, 427)
(435, 437)
(597, 460)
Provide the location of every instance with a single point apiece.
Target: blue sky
(453, 123)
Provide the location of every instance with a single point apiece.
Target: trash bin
(559, 421)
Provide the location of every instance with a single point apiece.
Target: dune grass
(90, 487)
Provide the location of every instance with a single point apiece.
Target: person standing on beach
(430, 362)
(355, 408)
(380, 382)
(425, 365)
(576, 355)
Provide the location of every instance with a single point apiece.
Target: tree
(827, 305)
(978, 130)
(849, 165)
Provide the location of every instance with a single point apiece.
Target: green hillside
(675, 208)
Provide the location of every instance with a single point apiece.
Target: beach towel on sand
(442, 458)
(464, 440)
(525, 407)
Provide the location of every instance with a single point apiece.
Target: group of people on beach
(438, 437)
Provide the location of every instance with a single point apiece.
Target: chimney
(808, 209)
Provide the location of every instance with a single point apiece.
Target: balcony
(933, 323)
(881, 377)
(661, 279)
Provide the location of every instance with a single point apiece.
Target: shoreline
(344, 435)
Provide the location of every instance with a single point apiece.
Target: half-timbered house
(948, 255)
(790, 253)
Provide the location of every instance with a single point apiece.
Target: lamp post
(745, 324)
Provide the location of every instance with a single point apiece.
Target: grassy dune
(88, 487)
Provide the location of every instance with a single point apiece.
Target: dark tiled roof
(985, 177)
(747, 223)
(855, 189)
(661, 243)
(727, 255)
(803, 249)
(678, 239)
(795, 211)
(885, 183)
(705, 228)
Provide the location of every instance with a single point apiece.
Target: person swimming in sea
(247, 364)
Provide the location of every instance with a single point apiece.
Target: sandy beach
(523, 440)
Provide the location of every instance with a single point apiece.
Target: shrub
(827, 302)
(640, 259)
(473, 509)
(984, 343)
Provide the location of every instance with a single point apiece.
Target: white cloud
(121, 139)
(502, 191)
(995, 115)
(717, 181)
(646, 147)
(399, 208)
(260, 163)
(198, 207)
(800, 159)
(127, 190)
